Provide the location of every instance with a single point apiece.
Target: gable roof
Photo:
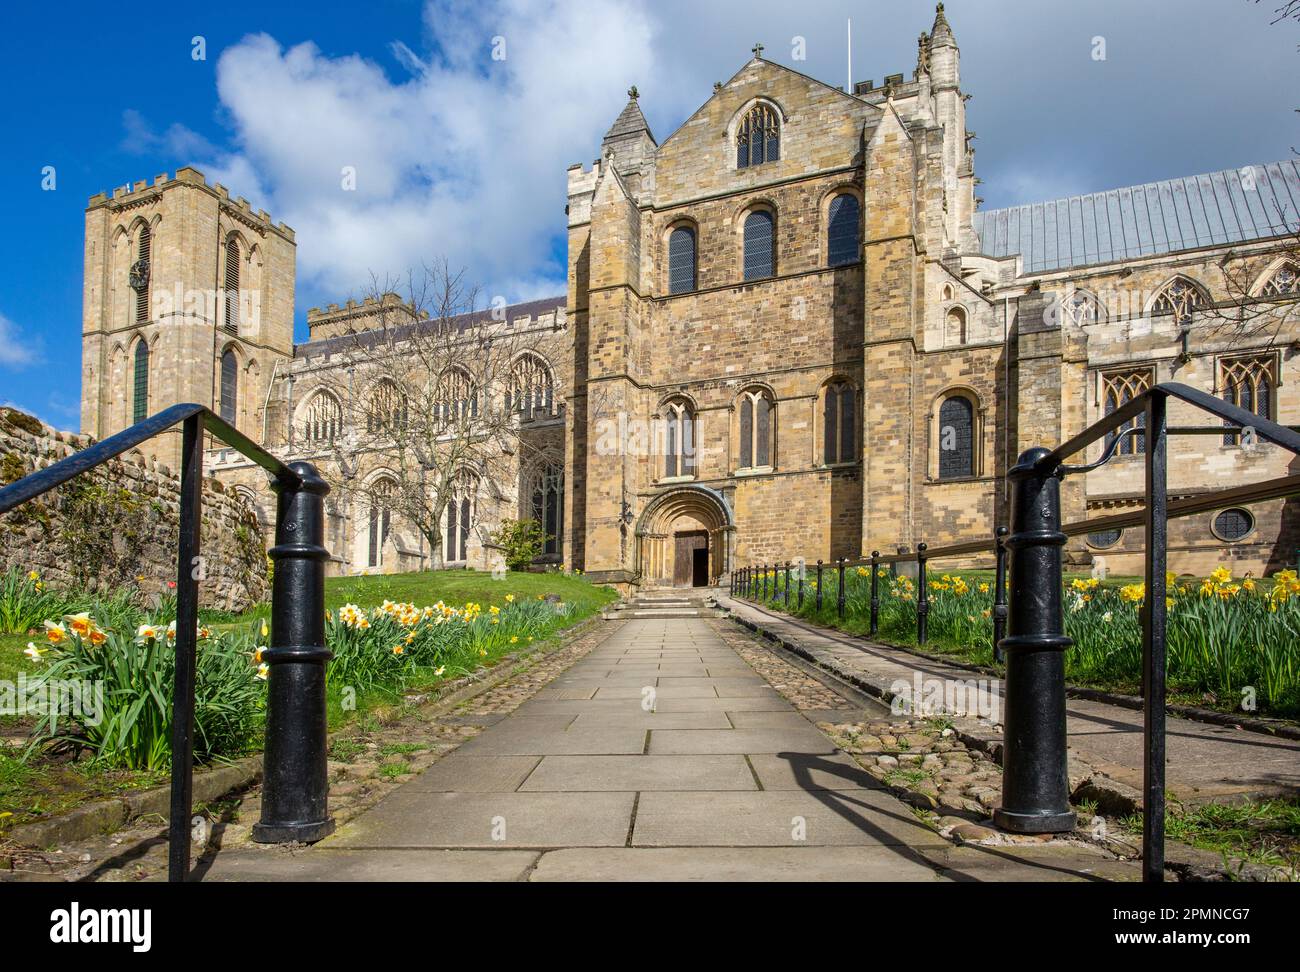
(1217, 208)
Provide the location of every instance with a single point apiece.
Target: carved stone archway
(683, 511)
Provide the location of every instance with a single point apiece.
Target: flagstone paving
(660, 755)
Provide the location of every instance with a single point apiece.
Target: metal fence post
(1035, 788)
(922, 596)
(839, 595)
(802, 572)
(1153, 643)
(187, 623)
(875, 592)
(787, 583)
(819, 587)
(1000, 593)
(295, 789)
(764, 570)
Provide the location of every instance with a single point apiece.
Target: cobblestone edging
(115, 830)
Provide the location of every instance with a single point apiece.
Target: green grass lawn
(34, 787)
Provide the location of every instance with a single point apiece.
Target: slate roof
(1159, 217)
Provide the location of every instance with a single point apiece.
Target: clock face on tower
(139, 275)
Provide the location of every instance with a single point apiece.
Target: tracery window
(679, 439)
(681, 260)
(1284, 281)
(457, 398)
(1118, 389)
(1081, 308)
(322, 419)
(387, 409)
(532, 387)
(229, 386)
(546, 497)
(1248, 383)
(758, 137)
(1180, 297)
(381, 515)
(459, 518)
(757, 429)
(842, 233)
(839, 423)
(140, 383)
(232, 285)
(140, 274)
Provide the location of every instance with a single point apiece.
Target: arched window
(839, 423)
(386, 410)
(546, 497)
(679, 440)
(140, 386)
(1118, 389)
(760, 245)
(459, 518)
(758, 137)
(954, 327)
(842, 230)
(457, 400)
(140, 273)
(1284, 281)
(956, 438)
(381, 518)
(232, 285)
(1180, 297)
(681, 260)
(1081, 308)
(757, 430)
(1248, 383)
(532, 387)
(229, 386)
(322, 419)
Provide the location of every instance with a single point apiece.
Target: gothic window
(232, 285)
(459, 518)
(457, 399)
(679, 440)
(839, 425)
(758, 138)
(956, 437)
(546, 496)
(954, 327)
(1284, 282)
(229, 386)
(1248, 383)
(140, 397)
(1081, 308)
(1180, 297)
(757, 429)
(381, 518)
(681, 260)
(322, 419)
(1233, 524)
(387, 409)
(140, 273)
(1117, 390)
(532, 388)
(842, 230)
(760, 245)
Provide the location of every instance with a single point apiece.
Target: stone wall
(118, 525)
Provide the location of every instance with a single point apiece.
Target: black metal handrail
(1034, 770)
(295, 789)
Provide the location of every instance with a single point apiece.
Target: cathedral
(789, 331)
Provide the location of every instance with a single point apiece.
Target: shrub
(522, 540)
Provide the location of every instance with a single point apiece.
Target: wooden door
(684, 557)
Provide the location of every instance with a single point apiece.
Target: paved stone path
(1205, 761)
(661, 755)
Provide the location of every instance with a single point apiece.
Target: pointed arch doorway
(684, 538)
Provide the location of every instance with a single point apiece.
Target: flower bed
(1232, 643)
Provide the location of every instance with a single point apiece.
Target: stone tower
(187, 297)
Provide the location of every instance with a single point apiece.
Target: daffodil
(263, 671)
(33, 652)
(145, 632)
(55, 633)
(79, 623)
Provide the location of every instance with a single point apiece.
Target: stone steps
(657, 605)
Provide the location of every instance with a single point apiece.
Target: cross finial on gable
(758, 50)
(633, 93)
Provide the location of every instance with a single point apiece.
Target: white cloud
(177, 141)
(16, 349)
(464, 156)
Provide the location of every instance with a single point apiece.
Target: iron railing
(295, 786)
(1027, 620)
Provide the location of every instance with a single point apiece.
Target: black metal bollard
(787, 583)
(1035, 789)
(922, 595)
(1000, 593)
(295, 789)
(875, 592)
(839, 595)
(819, 587)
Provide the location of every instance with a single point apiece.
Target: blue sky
(461, 155)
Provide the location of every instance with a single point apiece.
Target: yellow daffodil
(145, 632)
(33, 575)
(33, 652)
(263, 671)
(438, 672)
(56, 634)
(79, 623)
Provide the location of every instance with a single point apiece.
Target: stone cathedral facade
(789, 331)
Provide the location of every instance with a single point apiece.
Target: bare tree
(432, 389)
